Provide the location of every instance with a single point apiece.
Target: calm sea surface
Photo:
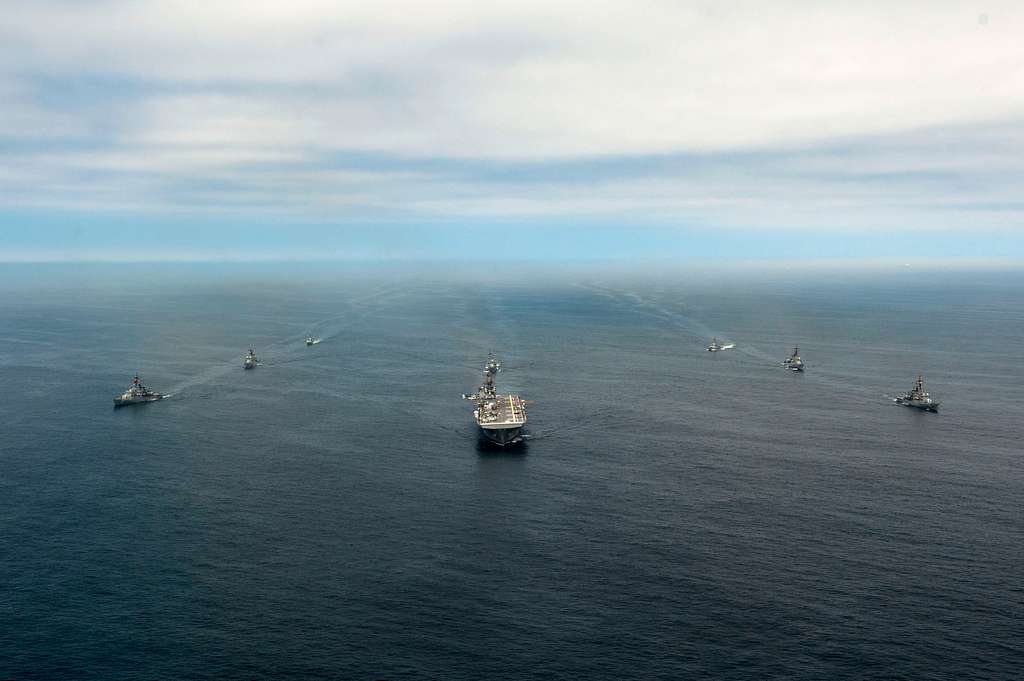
(674, 514)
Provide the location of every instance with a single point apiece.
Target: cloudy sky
(645, 128)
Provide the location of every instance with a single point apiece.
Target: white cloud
(542, 79)
(165, 105)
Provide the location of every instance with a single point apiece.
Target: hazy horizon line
(957, 262)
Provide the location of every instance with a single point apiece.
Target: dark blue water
(675, 514)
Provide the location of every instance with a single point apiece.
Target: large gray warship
(251, 360)
(793, 362)
(136, 394)
(500, 417)
(918, 397)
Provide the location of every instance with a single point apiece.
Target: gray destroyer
(251, 360)
(500, 417)
(793, 362)
(918, 398)
(136, 394)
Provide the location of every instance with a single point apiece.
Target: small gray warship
(717, 346)
(500, 417)
(793, 362)
(136, 394)
(251, 360)
(918, 398)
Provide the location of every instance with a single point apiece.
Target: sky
(643, 129)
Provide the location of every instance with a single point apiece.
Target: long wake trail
(699, 331)
(283, 350)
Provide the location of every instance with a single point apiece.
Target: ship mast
(487, 391)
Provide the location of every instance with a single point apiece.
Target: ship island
(500, 417)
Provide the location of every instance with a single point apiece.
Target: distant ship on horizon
(500, 417)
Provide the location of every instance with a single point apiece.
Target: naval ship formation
(500, 417)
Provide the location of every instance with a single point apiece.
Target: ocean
(673, 513)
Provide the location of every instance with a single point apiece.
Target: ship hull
(249, 365)
(118, 402)
(923, 406)
(503, 436)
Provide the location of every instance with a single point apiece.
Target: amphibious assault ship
(500, 417)
(136, 394)
(251, 360)
(918, 397)
(793, 362)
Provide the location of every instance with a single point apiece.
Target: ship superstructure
(136, 394)
(251, 360)
(793, 362)
(500, 417)
(918, 397)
